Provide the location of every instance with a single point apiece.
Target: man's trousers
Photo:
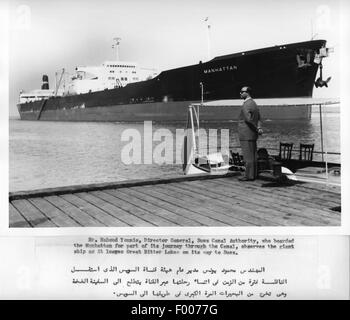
(250, 158)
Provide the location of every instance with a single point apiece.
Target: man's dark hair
(249, 90)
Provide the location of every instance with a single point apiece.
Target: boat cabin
(35, 95)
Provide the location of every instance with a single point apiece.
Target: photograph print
(174, 113)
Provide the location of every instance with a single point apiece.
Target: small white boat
(194, 161)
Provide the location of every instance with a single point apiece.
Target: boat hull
(162, 112)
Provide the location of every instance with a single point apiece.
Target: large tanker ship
(121, 91)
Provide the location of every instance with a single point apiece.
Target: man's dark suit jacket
(249, 118)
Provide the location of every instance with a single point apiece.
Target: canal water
(54, 154)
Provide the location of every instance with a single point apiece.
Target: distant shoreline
(327, 109)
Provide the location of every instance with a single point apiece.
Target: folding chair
(285, 151)
(306, 151)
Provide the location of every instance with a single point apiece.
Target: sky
(46, 36)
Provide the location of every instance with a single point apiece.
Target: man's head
(245, 92)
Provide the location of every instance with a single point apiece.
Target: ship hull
(271, 73)
(163, 112)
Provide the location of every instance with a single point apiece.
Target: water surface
(53, 154)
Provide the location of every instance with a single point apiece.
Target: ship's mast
(59, 82)
(208, 35)
(116, 46)
(313, 35)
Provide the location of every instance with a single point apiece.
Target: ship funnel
(45, 83)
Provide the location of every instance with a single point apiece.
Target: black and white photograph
(174, 150)
(168, 114)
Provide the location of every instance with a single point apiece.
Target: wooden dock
(191, 201)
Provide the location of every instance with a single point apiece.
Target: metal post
(197, 116)
(202, 91)
(64, 83)
(55, 81)
(195, 110)
(116, 46)
(208, 35)
(322, 142)
(325, 157)
(320, 109)
(193, 133)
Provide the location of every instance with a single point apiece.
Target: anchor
(320, 82)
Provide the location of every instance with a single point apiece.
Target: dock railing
(296, 151)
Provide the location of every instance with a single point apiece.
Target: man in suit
(248, 132)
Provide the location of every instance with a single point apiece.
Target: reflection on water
(51, 154)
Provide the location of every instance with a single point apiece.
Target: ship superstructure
(110, 75)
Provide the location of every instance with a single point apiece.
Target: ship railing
(330, 174)
(293, 151)
(203, 150)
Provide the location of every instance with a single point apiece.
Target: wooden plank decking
(181, 201)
